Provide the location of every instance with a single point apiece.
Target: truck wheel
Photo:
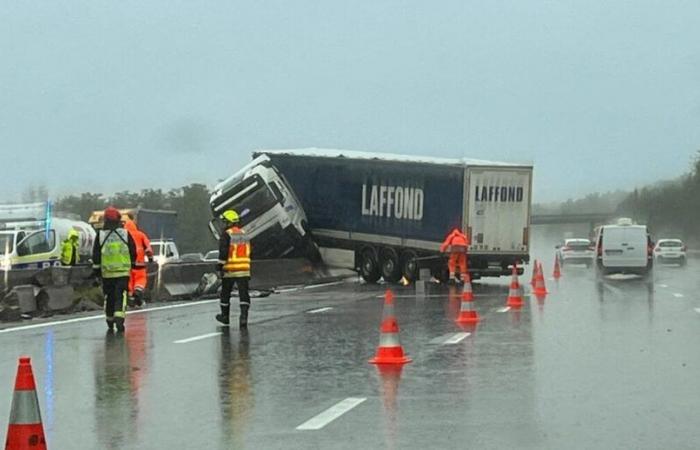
(390, 266)
(369, 267)
(409, 265)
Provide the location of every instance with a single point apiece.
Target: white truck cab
(165, 251)
(267, 207)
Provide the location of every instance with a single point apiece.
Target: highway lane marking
(101, 316)
(321, 420)
(504, 309)
(456, 338)
(678, 295)
(319, 310)
(697, 310)
(197, 338)
(662, 285)
(316, 286)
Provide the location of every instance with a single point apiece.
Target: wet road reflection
(236, 397)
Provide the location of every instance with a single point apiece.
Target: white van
(625, 249)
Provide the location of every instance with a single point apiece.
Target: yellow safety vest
(238, 261)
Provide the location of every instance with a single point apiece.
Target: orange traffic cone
(389, 350)
(557, 268)
(535, 268)
(25, 430)
(515, 297)
(540, 288)
(467, 313)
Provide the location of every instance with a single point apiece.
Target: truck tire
(390, 265)
(369, 266)
(409, 265)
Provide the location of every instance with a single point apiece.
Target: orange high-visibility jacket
(234, 253)
(456, 240)
(143, 244)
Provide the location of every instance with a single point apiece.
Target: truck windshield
(6, 243)
(254, 203)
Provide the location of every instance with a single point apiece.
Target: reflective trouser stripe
(389, 340)
(236, 274)
(121, 312)
(25, 408)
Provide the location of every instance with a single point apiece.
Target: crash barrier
(31, 292)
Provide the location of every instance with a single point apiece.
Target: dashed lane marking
(316, 286)
(456, 338)
(678, 295)
(319, 310)
(504, 309)
(697, 310)
(101, 316)
(662, 285)
(197, 338)
(321, 420)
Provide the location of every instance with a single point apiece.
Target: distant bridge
(555, 219)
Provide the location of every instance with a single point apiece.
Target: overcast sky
(114, 95)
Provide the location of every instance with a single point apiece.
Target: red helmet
(112, 214)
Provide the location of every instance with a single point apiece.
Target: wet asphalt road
(611, 366)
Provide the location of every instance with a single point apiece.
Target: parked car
(192, 257)
(670, 251)
(212, 255)
(624, 249)
(576, 251)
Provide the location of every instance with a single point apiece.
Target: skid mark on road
(321, 420)
(197, 338)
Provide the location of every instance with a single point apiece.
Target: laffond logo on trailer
(503, 194)
(397, 202)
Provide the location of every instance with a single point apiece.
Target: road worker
(234, 268)
(113, 256)
(456, 244)
(138, 278)
(69, 249)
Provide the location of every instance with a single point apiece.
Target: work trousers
(243, 295)
(458, 259)
(115, 292)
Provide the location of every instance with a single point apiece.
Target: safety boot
(243, 319)
(119, 322)
(110, 325)
(222, 319)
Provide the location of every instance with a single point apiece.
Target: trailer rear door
(498, 209)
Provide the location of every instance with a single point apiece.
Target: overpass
(555, 219)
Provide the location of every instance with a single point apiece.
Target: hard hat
(112, 214)
(73, 234)
(230, 216)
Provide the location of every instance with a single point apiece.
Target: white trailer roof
(351, 154)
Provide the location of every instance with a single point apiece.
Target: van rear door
(625, 247)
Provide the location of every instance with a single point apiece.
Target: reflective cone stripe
(388, 305)
(390, 350)
(25, 430)
(467, 292)
(515, 298)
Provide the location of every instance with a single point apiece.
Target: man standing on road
(234, 268)
(113, 256)
(69, 249)
(138, 278)
(456, 244)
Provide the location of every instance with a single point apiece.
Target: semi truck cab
(271, 215)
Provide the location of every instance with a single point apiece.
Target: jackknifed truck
(384, 215)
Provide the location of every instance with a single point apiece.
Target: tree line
(190, 202)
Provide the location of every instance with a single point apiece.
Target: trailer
(386, 215)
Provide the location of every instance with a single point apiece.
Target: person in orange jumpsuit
(456, 244)
(139, 275)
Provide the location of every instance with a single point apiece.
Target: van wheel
(409, 265)
(369, 267)
(390, 266)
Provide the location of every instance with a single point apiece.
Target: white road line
(662, 285)
(456, 338)
(678, 295)
(504, 309)
(101, 316)
(197, 338)
(316, 286)
(319, 310)
(697, 310)
(329, 415)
